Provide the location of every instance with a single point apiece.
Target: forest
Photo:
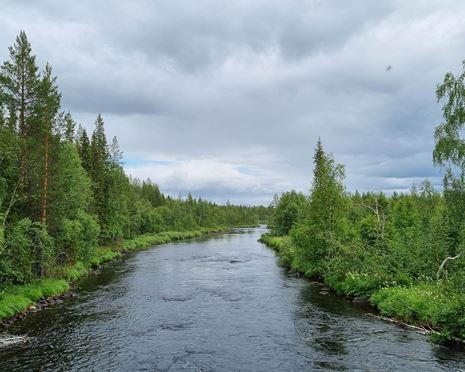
(66, 203)
(403, 252)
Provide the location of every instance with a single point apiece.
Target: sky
(228, 99)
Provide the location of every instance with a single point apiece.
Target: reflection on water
(213, 304)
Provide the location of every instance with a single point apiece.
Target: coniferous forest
(65, 201)
(405, 252)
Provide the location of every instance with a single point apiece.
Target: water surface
(214, 304)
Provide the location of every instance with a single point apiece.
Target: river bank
(19, 300)
(432, 306)
(214, 304)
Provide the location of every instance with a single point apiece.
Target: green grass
(102, 255)
(434, 304)
(75, 272)
(148, 240)
(286, 251)
(18, 298)
(354, 284)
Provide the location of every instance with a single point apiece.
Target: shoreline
(285, 255)
(16, 302)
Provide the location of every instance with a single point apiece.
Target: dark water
(217, 304)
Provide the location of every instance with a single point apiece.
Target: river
(213, 304)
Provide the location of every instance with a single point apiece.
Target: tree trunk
(45, 185)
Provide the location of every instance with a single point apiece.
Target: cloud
(210, 178)
(235, 95)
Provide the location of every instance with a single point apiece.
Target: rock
(349, 298)
(33, 308)
(6, 340)
(360, 301)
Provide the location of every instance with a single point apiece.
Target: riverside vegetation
(66, 204)
(404, 252)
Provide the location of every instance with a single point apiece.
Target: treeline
(404, 252)
(64, 192)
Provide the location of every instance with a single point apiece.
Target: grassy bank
(436, 306)
(16, 299)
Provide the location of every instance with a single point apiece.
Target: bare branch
(449, 258)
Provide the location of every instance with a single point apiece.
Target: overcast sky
(228, 98)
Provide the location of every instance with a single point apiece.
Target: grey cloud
(254, 84)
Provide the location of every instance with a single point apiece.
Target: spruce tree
(69, 126)
(85, 151)
(99, 170)
(116, 155)
(324, 223)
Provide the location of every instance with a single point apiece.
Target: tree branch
(449, 258)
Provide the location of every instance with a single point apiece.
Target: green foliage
(450, 147)
(27, 252)
(75, 272)
(388, 249)
(354, 284)
(289, 211)
(13, 304)
(285, 248)
(318, 236)
(147, 240)
(63, 194)
(433, 304)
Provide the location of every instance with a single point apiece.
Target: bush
(434, 304)
(75, 272)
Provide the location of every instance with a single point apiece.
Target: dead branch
(449, 258)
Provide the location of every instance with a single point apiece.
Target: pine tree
(19, 83)
(49, 102)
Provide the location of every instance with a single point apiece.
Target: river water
(214, 304)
